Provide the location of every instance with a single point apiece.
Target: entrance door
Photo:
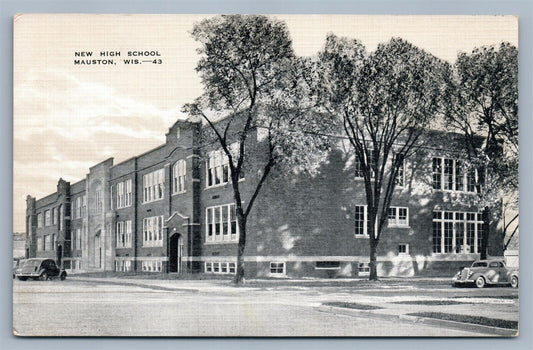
(175, 253)
(97, 251)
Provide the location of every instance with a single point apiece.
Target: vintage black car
(486, 272)
(40, 269)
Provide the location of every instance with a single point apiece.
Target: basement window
(328, 265)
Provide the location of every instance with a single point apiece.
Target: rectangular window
(403, 248)
(154, 186)
(363, 269)
(224, 268)
(221, 224)
(217, 168)
(98, 201)
(400, 175)
(152, 266)
(152, 231)
(178, 176)
(54, 216)
(47, 218)
(46, 242)
(277, 268)
(123, 193)
(53, 242)
(123, 265)
(456, 232)
(124, 234)
(40, 220)
(327, 265)
(359, 171)
(361, 220)
(450, 175)
(398, 216)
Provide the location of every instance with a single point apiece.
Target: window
(40, 220)
(122, 265)
(53, 242)
(456, 232)
(178, 176)
(61, 217)
(40, 245)
(47, 218)
(327, 265)
(83, 207)
(98, 201)
(363, 269)
(217, 168)
(123, 193)
(46, 242)
(403, 248)
(221, 223)
(450, 175)
(76, 239)
(361, 220)
(359, 171)
(153, 186)
(152, 266)
(277, 268)
(54, 216)
(398, 216)
(400, 175)
(220, 267)
(152, 231)
(124, 234)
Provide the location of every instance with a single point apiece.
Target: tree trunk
(239, 273)
(373, 258)
(485, 235)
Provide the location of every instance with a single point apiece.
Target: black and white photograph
(249, 175)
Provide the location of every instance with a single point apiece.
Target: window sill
(181, 192)
(221, 242)
(362, 236)
(398, 226)
(155, 200)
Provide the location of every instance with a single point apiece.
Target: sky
(68, 117)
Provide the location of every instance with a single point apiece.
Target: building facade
(171, 210)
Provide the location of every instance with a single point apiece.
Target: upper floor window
(221, 223)
(47, 218)
(178, 176)
(40, 220)
(361, 220)
(153, 231)
(83, 210)
(359, 171)
(54, 216)
(217, 168)
(124, 233)
(98, 201)
(400, 176)
(154, 185)
(451, 175)
(124, 194)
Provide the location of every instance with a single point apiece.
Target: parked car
(41, 269)
(17, 264)
(486, 272)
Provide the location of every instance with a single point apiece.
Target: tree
(253, 85)
(483, 103)
(385, 100)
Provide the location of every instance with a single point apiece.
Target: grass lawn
(479, 320)
(355, 306)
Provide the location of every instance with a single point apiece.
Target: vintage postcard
(265, 175)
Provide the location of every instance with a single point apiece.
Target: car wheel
(44, 276)
(22, 278)
(514, 281)
(62, 276)
(480, 282)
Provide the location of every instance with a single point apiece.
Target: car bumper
(459, 282)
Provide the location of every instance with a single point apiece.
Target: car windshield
(479, 264)
(30, 263)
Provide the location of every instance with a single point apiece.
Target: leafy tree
(483, 103)
(254, 86)
(385, 100)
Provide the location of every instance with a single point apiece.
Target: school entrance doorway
(175, 253)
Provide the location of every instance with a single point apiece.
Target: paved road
(161, 308)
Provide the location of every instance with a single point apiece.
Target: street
(120, 307)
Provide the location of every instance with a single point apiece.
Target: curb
(136, 284)
(488, 330)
